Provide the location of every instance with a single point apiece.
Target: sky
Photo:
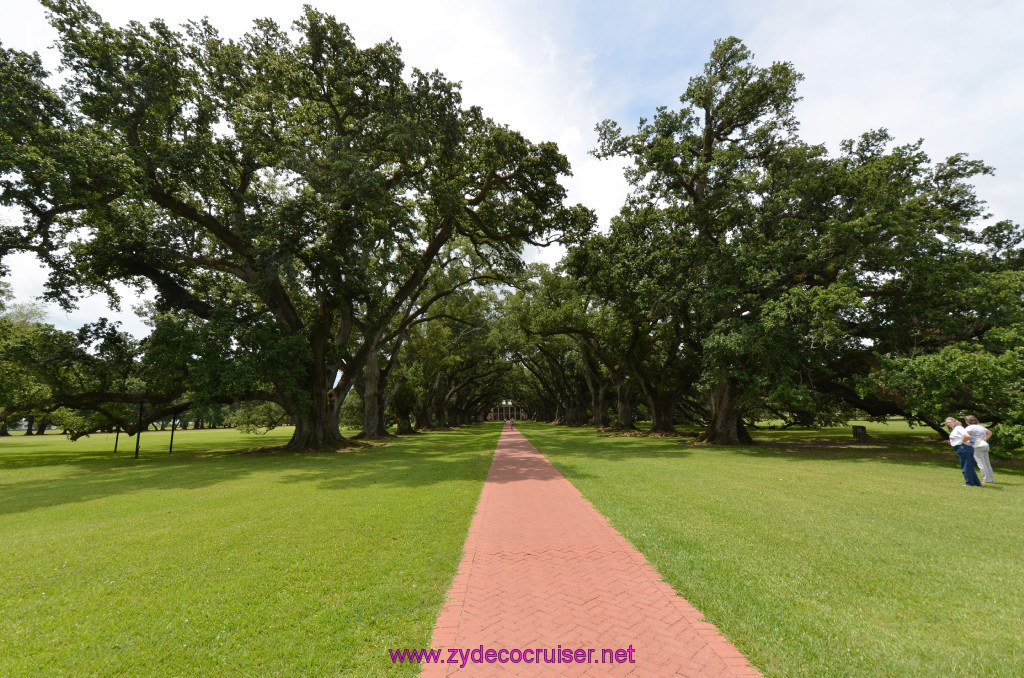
(948, 72)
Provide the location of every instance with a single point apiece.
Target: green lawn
(212, 563)
(819, 557)
(816, 556)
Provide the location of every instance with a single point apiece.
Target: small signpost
(174, 424)
(138, 434)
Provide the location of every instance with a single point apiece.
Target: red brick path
(542, 568)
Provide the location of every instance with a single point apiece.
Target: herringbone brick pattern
(543, 569)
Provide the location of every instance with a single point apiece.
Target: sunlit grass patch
(210, 562)
(821, 560)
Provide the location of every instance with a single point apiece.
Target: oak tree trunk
(316, 428)
(314, 433)
(316, 422)
(404, 424)
(373, 399)
(600, 402)
(574, 415)
(624, 402)
(663, 408)
(726, 426)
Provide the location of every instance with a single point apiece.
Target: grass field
(816, 556)
(819, 557)
(207, 562)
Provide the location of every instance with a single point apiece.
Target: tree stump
(860, 434)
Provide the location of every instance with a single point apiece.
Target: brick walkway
(542, 568)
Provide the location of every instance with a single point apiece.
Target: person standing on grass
(960, 440)
(979, 441)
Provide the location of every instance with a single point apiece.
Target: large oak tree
(284, 194)
(750, 261)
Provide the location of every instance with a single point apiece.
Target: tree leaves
(286, 195)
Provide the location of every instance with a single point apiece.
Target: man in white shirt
(960, 440)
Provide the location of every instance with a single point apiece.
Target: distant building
(507, 410)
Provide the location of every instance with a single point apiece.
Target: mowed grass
(818, 557)
(210, 562)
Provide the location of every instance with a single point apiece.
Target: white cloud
(28, 278)
(948, 73)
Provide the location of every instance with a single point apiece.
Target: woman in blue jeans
(960, 440)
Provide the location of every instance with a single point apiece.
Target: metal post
(138, 434)
(174, 424)
(117, 437)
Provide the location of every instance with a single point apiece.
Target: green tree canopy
(285, 194)
(750, 264)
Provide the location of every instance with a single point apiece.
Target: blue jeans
(966, 455)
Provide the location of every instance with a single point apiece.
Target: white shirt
(956, 436)
(977, 433)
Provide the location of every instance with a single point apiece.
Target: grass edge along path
(819, 561)
(208, 562)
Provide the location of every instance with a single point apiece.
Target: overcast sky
(949, 72)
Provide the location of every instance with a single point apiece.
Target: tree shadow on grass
(76, 478)
(900, 450)
(622, 448)
(440, 467)
(392, 468)
(918, 450)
